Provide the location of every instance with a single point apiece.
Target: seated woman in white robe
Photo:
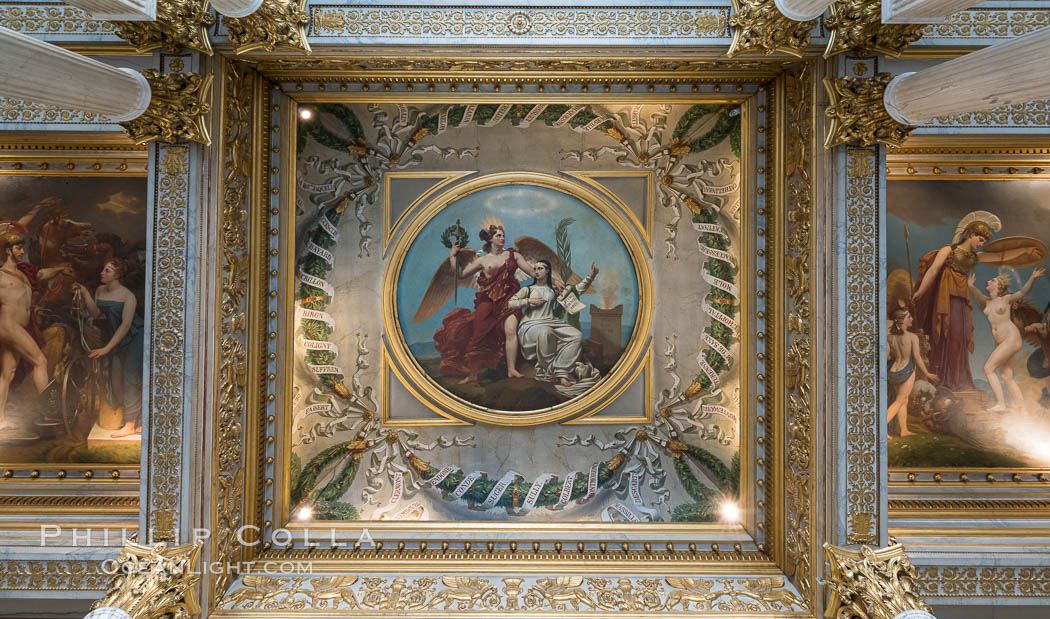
(552, 343)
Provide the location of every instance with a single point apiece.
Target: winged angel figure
(472, 341)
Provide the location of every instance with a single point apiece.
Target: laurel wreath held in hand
(457, 231)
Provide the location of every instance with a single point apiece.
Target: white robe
(552, 343)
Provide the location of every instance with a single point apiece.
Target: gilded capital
(759, 25)
(276, 25)
(858, 114)
(856, 25)
(179, 24)
(871, 584)
(177, 111)
(153, 581)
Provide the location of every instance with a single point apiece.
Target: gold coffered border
(243, 297)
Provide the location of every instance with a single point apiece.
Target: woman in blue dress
(115, 303)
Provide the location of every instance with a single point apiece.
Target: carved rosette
(872, 584)
(856, 25)
(176, 111)
(179, 24)
(759, 25)
(858, 114)
(153, 581)
(277, 24)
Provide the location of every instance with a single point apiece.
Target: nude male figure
(18, 281)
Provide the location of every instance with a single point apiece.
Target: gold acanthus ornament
(179, 24)
(277, 24)
(759, 25)
(155, 581)
(858, 114)
(177, 109)
(872, 584)
(856, 26)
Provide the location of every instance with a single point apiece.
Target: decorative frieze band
(52, 19)
(988, 24)
(404, 22)
(990, 582)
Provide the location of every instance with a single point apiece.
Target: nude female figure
(1007, 337)
(904, 355)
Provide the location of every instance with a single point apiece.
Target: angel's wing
(442, 284)
(1023, 313)
(535, 249)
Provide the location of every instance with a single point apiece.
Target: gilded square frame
(256, 111)
(967, 492)
(68, 491)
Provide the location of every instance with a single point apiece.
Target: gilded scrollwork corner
(872, 583)
(179, 24)
(856, 26)
(858, 114)
(178, 109)
(276, 25)
(154, 581)
(758, 25)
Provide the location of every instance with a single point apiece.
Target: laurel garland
(324, 501)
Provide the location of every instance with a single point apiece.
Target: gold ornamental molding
(862, 488)
(858, 114)
(276, 25)
(47, 575)
(176, 111)
(154, 581)
(872, 584)
(995, 582)
(759, 25)
(856, 25)
(393, 21)
(179, 24)
(351, 595)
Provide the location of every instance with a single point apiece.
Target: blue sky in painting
(525, 210)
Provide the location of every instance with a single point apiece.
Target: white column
(803, 10)
(921, 11)
(40, 72)
(118, 10)
(1016, 71)
(236, 8)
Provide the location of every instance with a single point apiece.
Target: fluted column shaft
(921, 11)
(803, 10)
(40, 72)
(118, 10)
(236, 8)
(1016, 71)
